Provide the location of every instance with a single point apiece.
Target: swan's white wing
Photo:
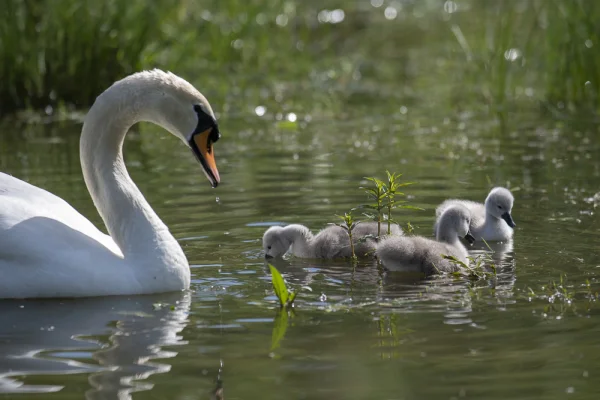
(48, 249)
(20, 202)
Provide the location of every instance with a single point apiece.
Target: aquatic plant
(348, 225)
(285, 296)
(384, 197)
(391, 191)
(377, 194)
(477, 268)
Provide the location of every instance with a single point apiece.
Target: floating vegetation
(348, 225)
(285, 296)
(384, 197)
(377, 195)
(560, 294)
(480, 267)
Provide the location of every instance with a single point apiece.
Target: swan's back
(370, 228)
(477, 211)
(333, 241)
(418, 254)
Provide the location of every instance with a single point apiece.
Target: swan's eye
(268, 247)
(197, 108)
(500, 207)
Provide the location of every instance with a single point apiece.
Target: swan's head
(499, 203)
(275, 243)
(173, 103)
(455, 220)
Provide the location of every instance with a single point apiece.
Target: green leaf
(292, 298)
(377, 182)
(279, 286)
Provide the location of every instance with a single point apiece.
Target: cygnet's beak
(268, 256)
(469, 238)
(508, 218)
(202, 146)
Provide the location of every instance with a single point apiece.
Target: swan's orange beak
(202, 146)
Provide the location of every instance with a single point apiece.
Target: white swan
(331, 242)
(48, 249)
(419, 254)
(491, 221)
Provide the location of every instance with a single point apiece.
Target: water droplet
(589, 44)
(570, 390)
(403, 110)
(376, 3)
(323, 16)
(323, 297)
(390, 13)
(512, 54)
(450, 7)
(261, 19)
(237, 44)
(260, 111)
(281, 20)
(292, 117)
(218, 200)
(337, 16)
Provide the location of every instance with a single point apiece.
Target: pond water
(529, 333)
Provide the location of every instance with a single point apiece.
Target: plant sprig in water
(385, 199)
(286, 297)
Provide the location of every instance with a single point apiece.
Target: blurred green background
(493, 54)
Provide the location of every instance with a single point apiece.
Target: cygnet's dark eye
(500, 207)
(268, 247)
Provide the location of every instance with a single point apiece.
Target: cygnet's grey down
(419, 254)
(331, 242)
(491, 221)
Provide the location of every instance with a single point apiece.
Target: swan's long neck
(131, 222)
(300, 237)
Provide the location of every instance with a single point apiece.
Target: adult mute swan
(491, 221)
(331, 242)
(48, 249)
(419, 254)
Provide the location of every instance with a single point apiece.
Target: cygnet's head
(173, 103)
(499, 203)
(455, 220)
(275, 243)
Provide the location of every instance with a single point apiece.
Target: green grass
(68, 51)
(65, 52)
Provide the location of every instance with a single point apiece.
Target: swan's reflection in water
(117, 340)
